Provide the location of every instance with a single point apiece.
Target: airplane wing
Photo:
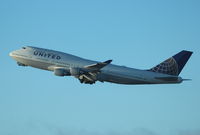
(96, 67)
(86, 74)
(89, 72)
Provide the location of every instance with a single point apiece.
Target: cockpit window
(23, 47)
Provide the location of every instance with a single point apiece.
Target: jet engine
(75, 71)
(61, 72)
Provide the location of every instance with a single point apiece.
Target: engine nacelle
(61, 72)
(75, 71)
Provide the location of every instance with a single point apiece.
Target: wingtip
(108, 61)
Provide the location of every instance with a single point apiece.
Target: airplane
(89, 72)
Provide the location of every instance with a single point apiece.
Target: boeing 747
(88, 71)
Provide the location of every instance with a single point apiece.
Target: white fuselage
(48, 59)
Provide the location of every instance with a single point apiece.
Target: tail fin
(173, 65)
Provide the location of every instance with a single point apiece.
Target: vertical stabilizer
(173, 65)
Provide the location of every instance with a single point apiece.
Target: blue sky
(138, 34)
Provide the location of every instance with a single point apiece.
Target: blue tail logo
(173, 65)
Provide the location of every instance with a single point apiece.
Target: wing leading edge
(97, 66)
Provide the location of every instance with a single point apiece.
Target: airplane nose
(11, 54)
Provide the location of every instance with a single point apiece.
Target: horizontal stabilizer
(167, 78)
(187, 79)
